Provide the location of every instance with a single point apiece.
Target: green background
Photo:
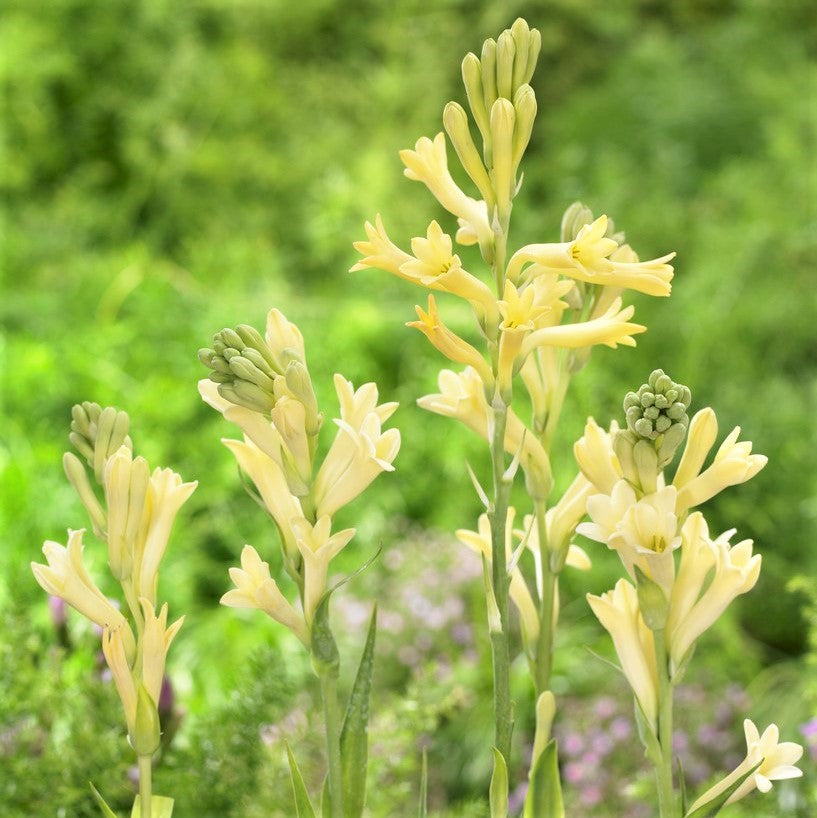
(173, 168)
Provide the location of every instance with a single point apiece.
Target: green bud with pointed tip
(78, 477)
(657, 412)
(472, 80)
(146, 730)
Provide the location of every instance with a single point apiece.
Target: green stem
(332, 716)
(547, 623)
(503, 716)
(667, 803)
(145, 787)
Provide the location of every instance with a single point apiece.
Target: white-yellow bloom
(611, 328)
(701, 437)
(166, 495)
(115, 652)
(734, 463)
(696, 605)
(596, 458)
(449, 343)
(479, 541)
(255, 588)
(776, 759)
(588, 258)
(428, 164)
(284, 339)
(643, 532)
(154, 645)
(317, 546)
(381, 252)
(65, 576)
(289, 418)
(126, 488)
(268, 477)
(619, 614)
(359, 453)
(356, 404)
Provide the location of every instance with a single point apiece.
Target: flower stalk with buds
(132, 510)
(550, 304)
(262, 384)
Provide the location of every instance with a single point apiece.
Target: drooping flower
(255, 588)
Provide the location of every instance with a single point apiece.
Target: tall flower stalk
(263, 385)
(657, 615)
(538, 311)
(132, 511)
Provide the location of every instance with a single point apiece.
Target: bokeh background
(173, 168)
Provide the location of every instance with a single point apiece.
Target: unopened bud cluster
(96, 433)
(657, 406)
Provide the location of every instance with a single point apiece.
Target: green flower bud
(96, 433)
(243, 366)
(505, 54)
(652, 601)
(524, 102)
(657, 413)
(472, 80)
(575, 217)
(456, 126)
(146, 731)
(488, 62)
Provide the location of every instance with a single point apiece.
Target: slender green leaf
(714, 806)
(544, 799)
(160, 807)
(106, 810)
(423, 811)
(682, 784)
(499, 787)
(303, 806)
(354, 738)
(326, 802)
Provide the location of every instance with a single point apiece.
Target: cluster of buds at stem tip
(96, 433)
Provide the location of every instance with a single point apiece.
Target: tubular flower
(449, 343)
(619, 614)
(734, 463)
(126, 491)
(596, 458)
(317, 548)
(736, 571)
(359, 453)
(155, 644)
(166, 495)
(284, 340)
(65, 576)
(381, 252)
(611, 328)
(355, 405)
(428, 164)
(588, 258)
(462, 397)
(703, 431)
(115, 653)
(255, 588)
(643, 532)
(269, 479)
(776, 760)
(479, 541)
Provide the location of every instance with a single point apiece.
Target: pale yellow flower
(154, 645)
(734, 463)
(356, 404)
(479, 541)
(356, 457)
(255, 588)
(611, 328)
(317, 546)
(776, 759)
(596, 458)
(126, 488)
(284, 339)
(65, 576)
(289, 418)
(115, 653)
(588, 258)
(166, 495)
(644, 532)
(701, 437)
(428, 164)
(449, 343)
(697, 600)
(619, 614)
(380, 251)
(268, 477)
(462, 397)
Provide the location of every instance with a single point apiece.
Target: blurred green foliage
(172, 168)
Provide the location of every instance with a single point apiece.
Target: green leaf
(499, 787)
(326, 802)
(423, 811)
(354, 739)
(106, 810)
(544, 799)
(160, 807)
(714, 806)
(682, 784)
(303, 806)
